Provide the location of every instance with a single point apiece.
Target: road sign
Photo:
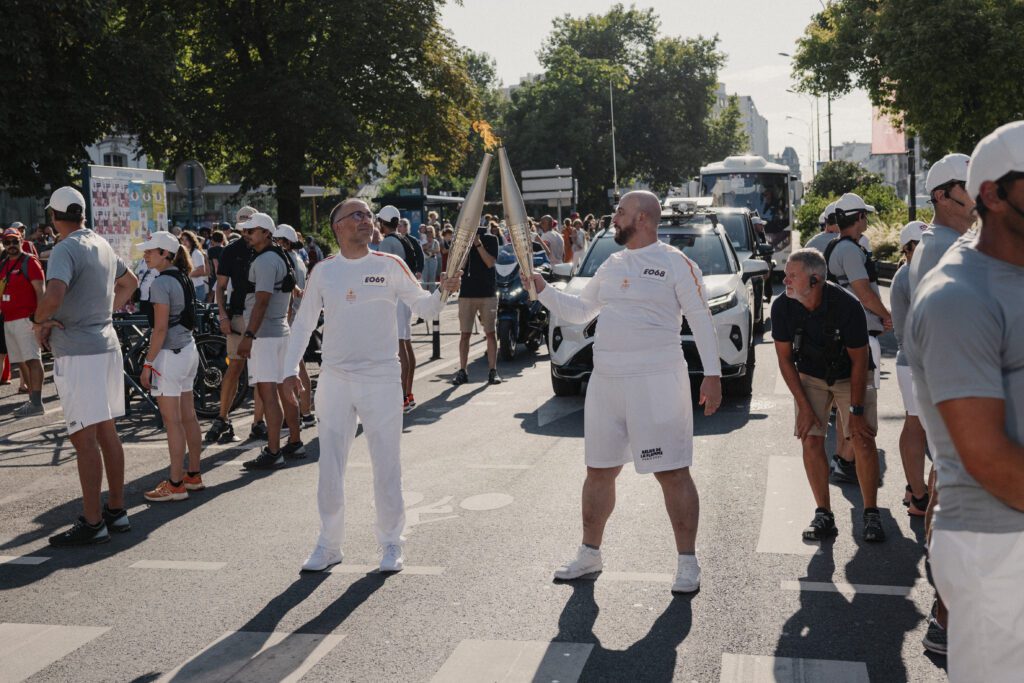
(548, 185)
(190, 177)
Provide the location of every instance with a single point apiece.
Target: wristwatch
(250, 335)
(857, 410)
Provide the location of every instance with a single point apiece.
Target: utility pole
(912, 170)
(829, 96)
(615, 166)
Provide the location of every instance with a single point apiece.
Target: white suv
(730, 296)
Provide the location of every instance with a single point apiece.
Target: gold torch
(518, 223)
(467, 223)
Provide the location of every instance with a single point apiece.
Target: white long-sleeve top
(642, 296)
(358, 298)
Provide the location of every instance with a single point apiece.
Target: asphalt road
(209, 588)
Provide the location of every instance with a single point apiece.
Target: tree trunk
(290, 172)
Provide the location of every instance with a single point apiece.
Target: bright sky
(751, 34)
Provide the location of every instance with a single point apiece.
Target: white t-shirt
(358, 298)
(555, 244)
(642, 296)
(198, 261)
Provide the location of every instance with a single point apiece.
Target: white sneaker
(687, 575)
(392, 559)
(321, 558)
(587, 561)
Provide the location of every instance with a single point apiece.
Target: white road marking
(514, 662)
(411, 570)
(646, 577)
(768, 669)
(26, 649)
(500, 466)
(788, 507)
(849, 589)
(251, 656)
(550, 409)
(179, 564)
(22, 559)
(486, 501)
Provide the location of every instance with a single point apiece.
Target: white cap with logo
(997, 154)
(829, 210)
(259, 220)
(911, 232)
(64, 197)
(242, 215)
(852, 203)
(286, 231)
(160, 239)
(949, 168)
(388, 213)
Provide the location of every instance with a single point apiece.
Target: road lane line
(768, 669)
(22, 559)
(500, 466)
(646, 577)
(375, 569)
(256, 656)
(849, 589)
(179, 564)
(788, 507)
(26, 649)
(514, 662)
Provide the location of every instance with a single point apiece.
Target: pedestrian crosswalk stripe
(788, 506)
(179, 564)
(26, 649)
(373, 568)
(255, 656)
(647, 577)
(514, 662)
(768, 669)
(22, 559)
(849, 589)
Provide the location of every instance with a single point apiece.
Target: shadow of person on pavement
(652, 658)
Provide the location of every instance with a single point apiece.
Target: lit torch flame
(487, 134)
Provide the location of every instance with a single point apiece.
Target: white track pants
(379, 406)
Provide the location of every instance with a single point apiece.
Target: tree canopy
(948, 70)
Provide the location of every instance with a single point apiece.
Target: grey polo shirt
(267, 270)
(847, 263)
(965, 334)
(166, 290)
(899, 306)
(821, 240)
(935, 242)
(88, 265)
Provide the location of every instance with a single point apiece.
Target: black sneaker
(259, 431)
(308, 420)
(265, 461)
(82, 533)
(461, 377)
(116, 522)
(221, 431)
(293, 450)
(822, 526)
(935, 638)
(493, 377)
(843, 472)
(873, 531)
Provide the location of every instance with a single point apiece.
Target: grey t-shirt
(88, 265)
(965, 334)
(899, 305)
(821, 240)
(847, 263)
(166, 290)
(300, 277)
(267, 270)
(935, 242)
(392, 245)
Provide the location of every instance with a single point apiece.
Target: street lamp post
(828, 99)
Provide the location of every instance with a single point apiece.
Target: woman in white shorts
(172, 362)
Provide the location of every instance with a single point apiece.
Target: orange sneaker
(193, 483)
(165, 491)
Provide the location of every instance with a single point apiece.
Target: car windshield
(734, 223)
(765, 193)
(704, 248)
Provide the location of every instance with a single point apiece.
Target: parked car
(730, 296)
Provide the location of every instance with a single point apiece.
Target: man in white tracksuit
(638, 406)
(358, 290)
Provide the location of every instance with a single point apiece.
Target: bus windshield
(765, 193)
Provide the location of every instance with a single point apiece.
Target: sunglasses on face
(11, 243)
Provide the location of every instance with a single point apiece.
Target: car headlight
(723, 303)
(512, 294)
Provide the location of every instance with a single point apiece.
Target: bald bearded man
(638, 405)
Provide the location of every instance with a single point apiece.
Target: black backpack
(287, 284)
(869, 264)
(413, 257)
(187, 317)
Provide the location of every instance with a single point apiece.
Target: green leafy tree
(948, 70)
(839, 177)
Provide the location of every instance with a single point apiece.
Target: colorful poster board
(125, 205)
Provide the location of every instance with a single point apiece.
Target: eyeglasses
(11, 243)
(359, 215)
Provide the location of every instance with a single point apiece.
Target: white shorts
(876, 356)
(266, 362)
(177, 371)
(905, 380)
(21, 342)
(404, 314)
(646, 419)
(978, 576)
(91, 388)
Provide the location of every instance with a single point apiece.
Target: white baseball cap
(998, 153)
(244, 214)
(388, 213)
(947, 169)
(911, 232)
(65, 197)
(286, 231)
(852, 203)
(161, 239)
(259, 220)
(829, 210)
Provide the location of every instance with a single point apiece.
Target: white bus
(768, 189)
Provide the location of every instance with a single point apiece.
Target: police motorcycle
(520, 321)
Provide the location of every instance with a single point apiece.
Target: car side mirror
(754, 267)
(561, 271)
(764, 249)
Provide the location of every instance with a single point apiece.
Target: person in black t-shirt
(821, 339)
(479, 297)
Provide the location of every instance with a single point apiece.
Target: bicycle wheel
(213, 364)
